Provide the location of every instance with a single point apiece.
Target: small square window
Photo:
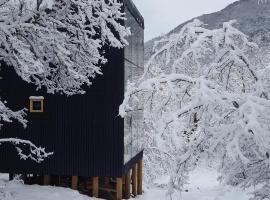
(36, 104)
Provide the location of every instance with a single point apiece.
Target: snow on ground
(13, 190)
(203, 185)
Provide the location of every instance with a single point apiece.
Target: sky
(161, 16)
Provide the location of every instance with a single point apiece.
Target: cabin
(95, 151)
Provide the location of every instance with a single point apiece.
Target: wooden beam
(107, 189)
(119, 188)
(74, 182)
(127, 185)
(46, 180)
(106, 181)
(139, 176)
(95, 187)
(134, 180)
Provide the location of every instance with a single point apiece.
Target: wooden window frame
(31, 104)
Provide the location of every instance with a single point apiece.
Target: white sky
(161, 16)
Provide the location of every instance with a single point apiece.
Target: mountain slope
(253, 19)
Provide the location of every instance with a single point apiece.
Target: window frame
(31, 104)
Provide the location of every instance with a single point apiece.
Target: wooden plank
(134, 180)
(107, 189)
(46, 180)
(119, 188)
(95, 187)
(139, 177)
(31, 105)
(42, 106)
(74, 182)
(127, 185)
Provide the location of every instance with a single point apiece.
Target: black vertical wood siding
(84, 131)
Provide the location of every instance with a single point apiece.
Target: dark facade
(84, 131)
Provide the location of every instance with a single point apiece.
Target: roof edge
(134, 11)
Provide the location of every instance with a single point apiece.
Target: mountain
(253, 20)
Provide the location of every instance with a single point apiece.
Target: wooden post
(46, 180)
(119, 188)
(134, 180)
(11, 177)
(127, 185)
(139, 188)
(95, 187)
(59, 180)
(74, 182)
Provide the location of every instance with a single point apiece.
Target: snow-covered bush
(57, 44)
(203, 99)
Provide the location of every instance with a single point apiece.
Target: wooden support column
(59, 180)
(139, 188)
(95, 187)
(11, 177)
(46, 180)
(74, 182)
(127, 185)
(119, 188)
(134, 180)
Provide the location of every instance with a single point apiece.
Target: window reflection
(134, 61)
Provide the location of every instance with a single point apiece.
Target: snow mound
(203, 185)
(16, 190)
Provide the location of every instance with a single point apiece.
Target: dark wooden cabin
(94, 148)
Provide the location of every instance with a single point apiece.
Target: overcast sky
(161, 16)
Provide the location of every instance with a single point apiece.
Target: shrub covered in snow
(205, 97)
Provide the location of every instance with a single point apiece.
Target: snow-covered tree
(57, 45)
(203, 98)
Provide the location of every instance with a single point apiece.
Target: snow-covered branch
(37, 154)
(7, 115)
(59, 46)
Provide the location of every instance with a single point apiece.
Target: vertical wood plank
(31, 105)
(74, 182)
(127, 185)
(134, 180)
(119, 188)
(95, 187)
(139, 188)
(46, 180)
(58, 180)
